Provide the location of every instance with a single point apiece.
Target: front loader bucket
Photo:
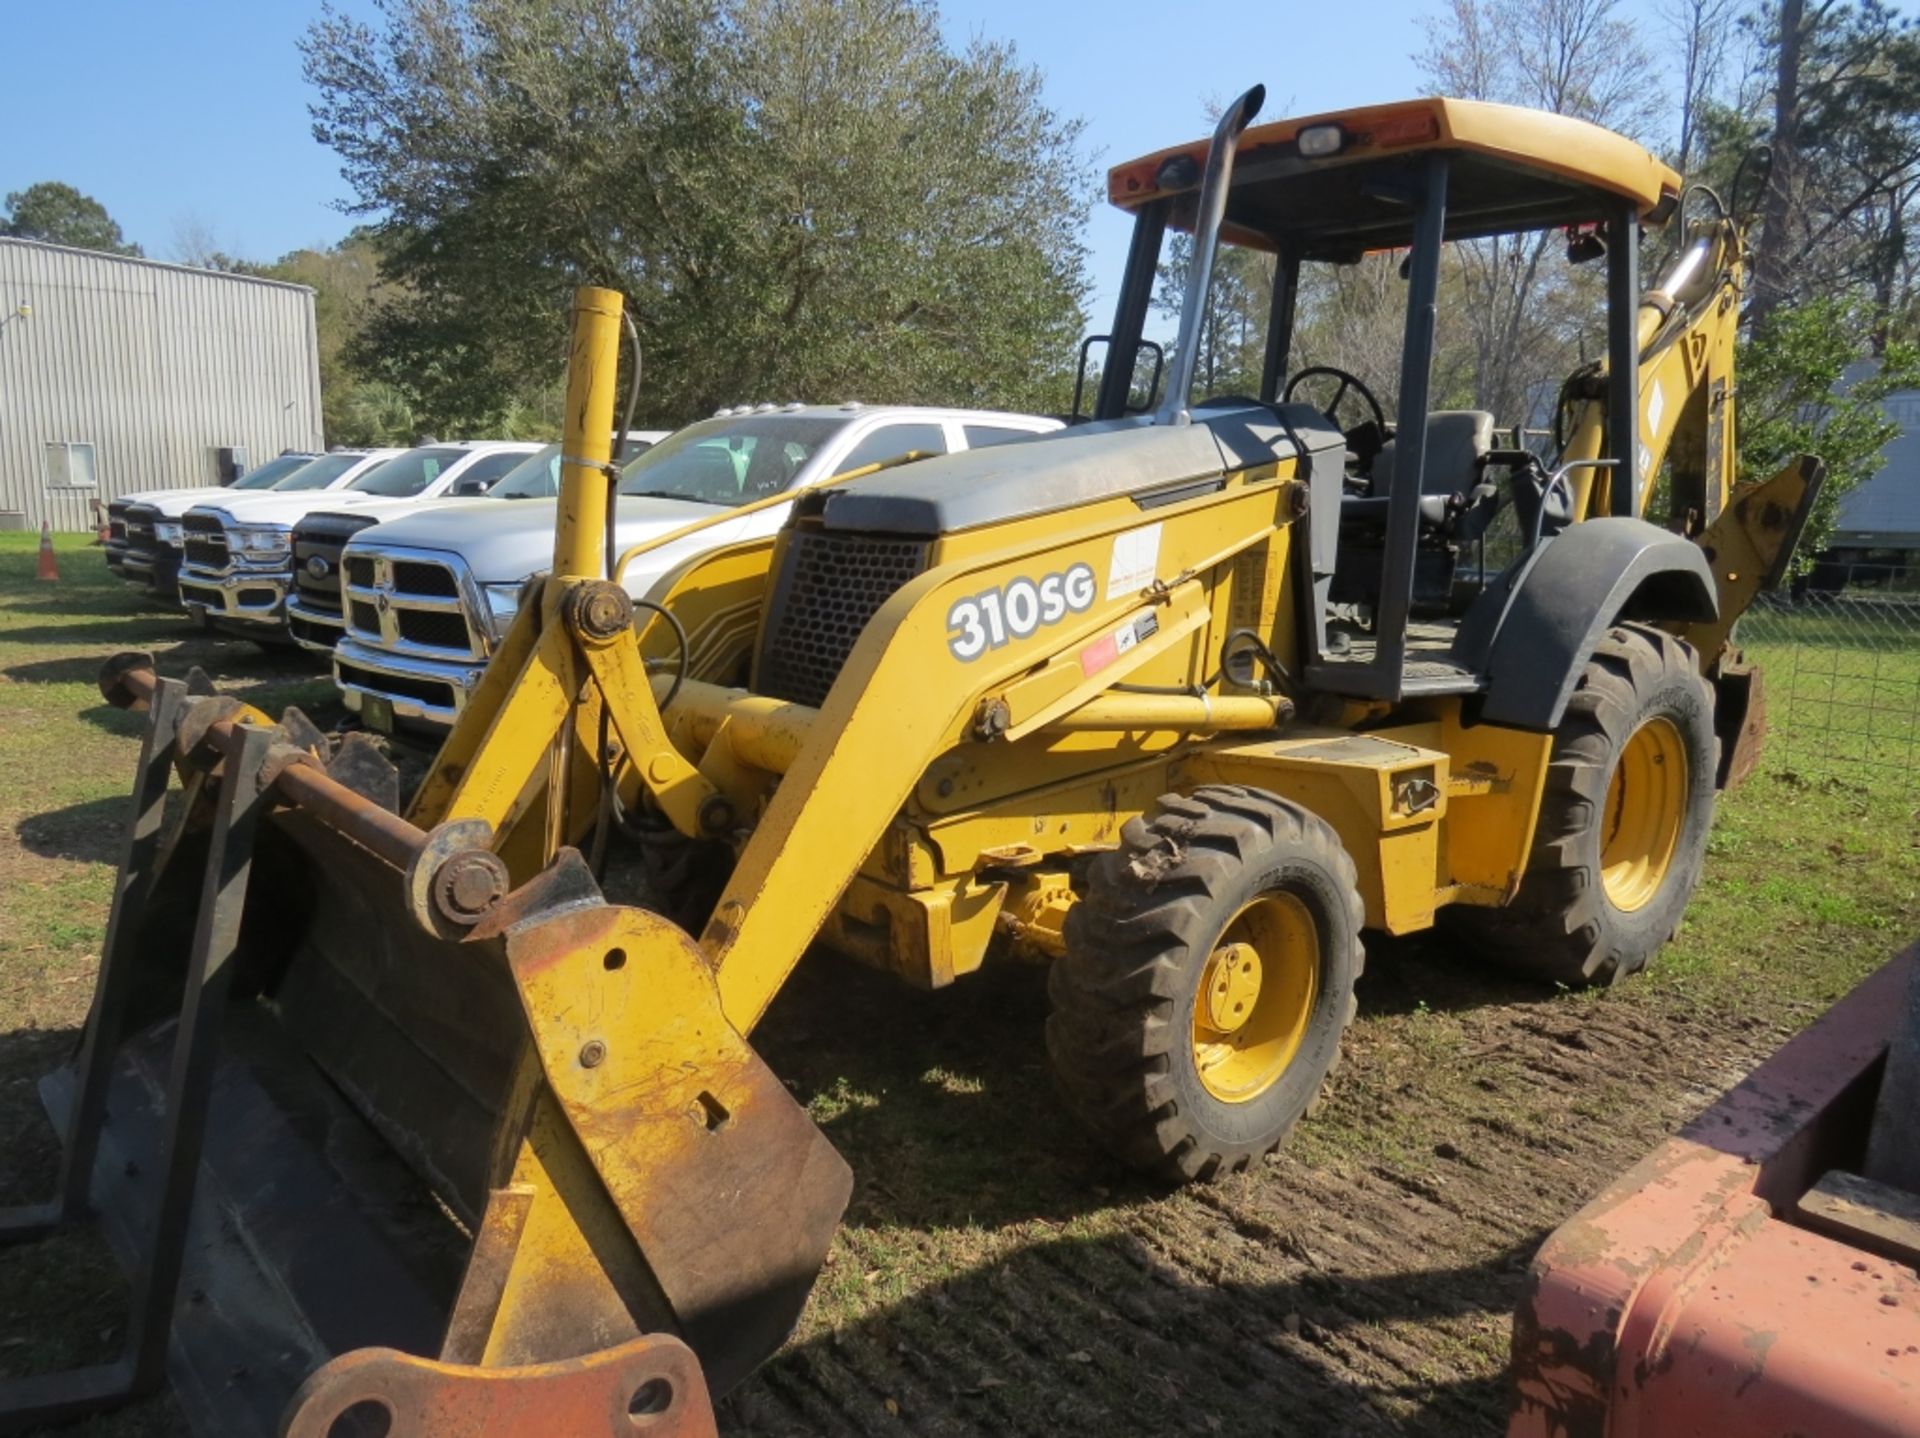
(379, 1141)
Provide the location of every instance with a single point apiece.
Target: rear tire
(1207, 981)
(1623, 823)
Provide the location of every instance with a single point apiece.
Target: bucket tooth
(302, 732)
(360, 766)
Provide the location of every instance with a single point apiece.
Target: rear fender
(1532, 632)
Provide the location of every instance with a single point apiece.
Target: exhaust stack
(1206, 240)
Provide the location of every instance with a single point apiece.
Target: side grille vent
(828, 588)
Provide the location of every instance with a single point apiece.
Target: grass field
(996, 1274)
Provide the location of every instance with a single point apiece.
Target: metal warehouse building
(122, 374)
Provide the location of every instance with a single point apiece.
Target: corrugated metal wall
(152, 364)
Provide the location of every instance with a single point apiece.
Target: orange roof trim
(1535, 140)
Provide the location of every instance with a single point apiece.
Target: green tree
(346, 283)
(1803, 390)
(800, 198)
(1844, 106)
(61, 215)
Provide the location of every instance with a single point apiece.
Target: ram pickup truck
(243, 569)
(144, 539)
(230, 575)
(428, 596)
(313, 603)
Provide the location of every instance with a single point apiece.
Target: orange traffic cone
(49, 566)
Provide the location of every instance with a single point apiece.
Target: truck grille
(397, 600)
(140, 522)
(117, 521)
(206, 543)
(321, 537)
(828, 587)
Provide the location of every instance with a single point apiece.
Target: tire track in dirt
(1361, 1281)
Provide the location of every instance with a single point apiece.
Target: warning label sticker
(1109, 647)
(1136, 560)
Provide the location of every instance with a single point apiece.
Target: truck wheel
(1623, 822)
(1207, 980)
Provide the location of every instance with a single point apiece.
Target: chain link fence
(1842, 673)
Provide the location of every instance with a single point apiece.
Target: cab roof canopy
(1342, 192)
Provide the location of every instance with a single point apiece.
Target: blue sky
(195, 115)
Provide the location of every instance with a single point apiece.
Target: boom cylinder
(593, 365)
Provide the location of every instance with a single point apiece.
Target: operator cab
(1371, 200)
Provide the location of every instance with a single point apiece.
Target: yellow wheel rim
(1256, 995)
(1646, 806)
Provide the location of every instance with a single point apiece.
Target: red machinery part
(1690, 1297)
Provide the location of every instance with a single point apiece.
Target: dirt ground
(996, 1273)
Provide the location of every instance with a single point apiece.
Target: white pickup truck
(240, 549)
(227, 573)
(427, 597)
(312, 607)
(144, 540)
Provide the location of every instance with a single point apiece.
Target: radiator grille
(206, 542)
(322, 537)
(829, 586)
(412, 576)
(420, 602)
(438, 630)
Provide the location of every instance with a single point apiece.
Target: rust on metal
(730, 1192)
(1740, 717)
(649, 1386)
(211, 722)
(1684, 1299)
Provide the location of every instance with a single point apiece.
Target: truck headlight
(272, 539)
(168, 533)
(503, 602)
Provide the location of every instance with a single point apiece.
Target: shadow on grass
(1103, 1336)
(1439, 971)
(132, 631)
(223, 660)
(90, 833)
(944, 1103)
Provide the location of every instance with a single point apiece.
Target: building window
(70, 466)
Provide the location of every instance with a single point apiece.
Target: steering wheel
(1331, 409)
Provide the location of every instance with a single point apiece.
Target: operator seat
(1457, 503)
(1458, 442)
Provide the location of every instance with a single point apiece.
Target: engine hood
(268, 507)
(504, 541)
(160, 498)
(172, 503)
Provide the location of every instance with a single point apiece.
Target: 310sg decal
(1014, 610)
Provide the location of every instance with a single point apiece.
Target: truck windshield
(321, 473)
(732, 460)
(536, 478)
(269, 475)
(407, 474)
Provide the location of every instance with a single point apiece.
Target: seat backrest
(1457, 440)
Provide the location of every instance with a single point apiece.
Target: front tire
(1623, 824)
(1207, 981)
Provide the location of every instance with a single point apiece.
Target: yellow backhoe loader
(402, 1127)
